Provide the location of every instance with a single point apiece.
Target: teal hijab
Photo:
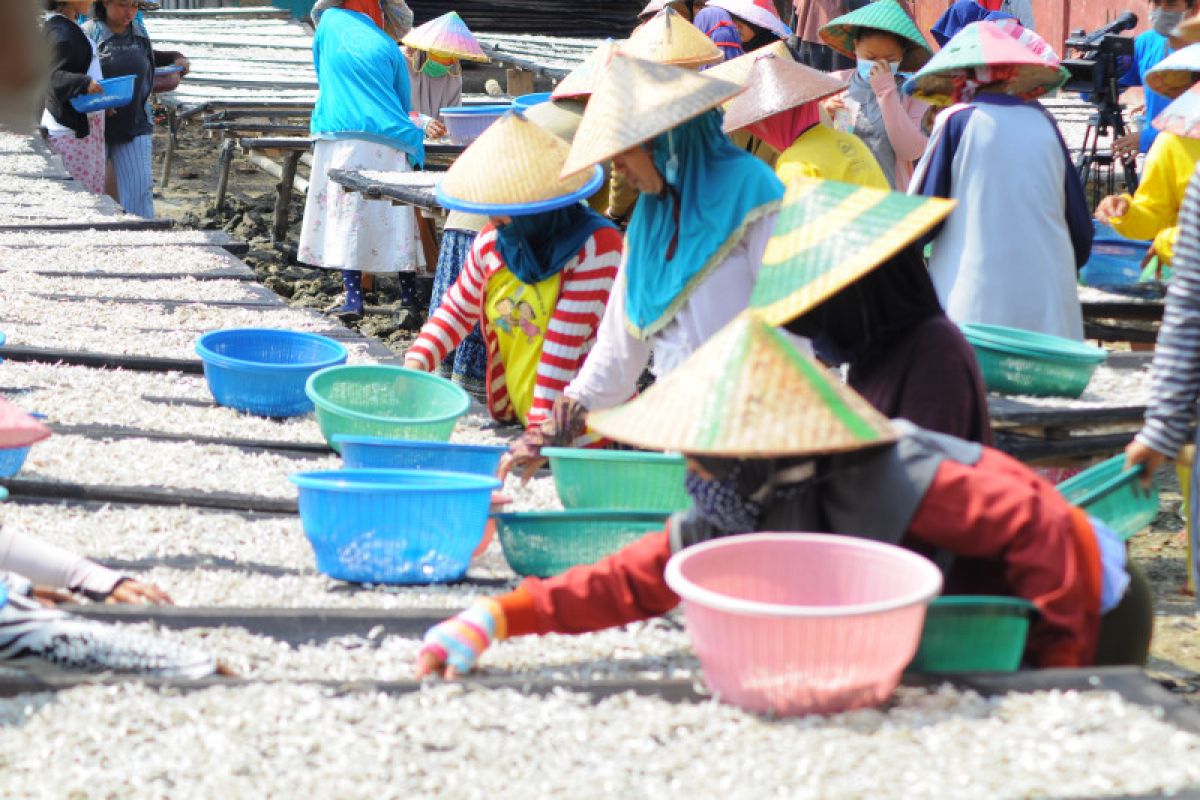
(537, 246)
(714, 191)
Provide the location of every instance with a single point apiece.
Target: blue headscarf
(714, 190)
(718, 25)
(957, 17)
(538, 246)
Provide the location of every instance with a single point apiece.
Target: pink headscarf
(783, 129)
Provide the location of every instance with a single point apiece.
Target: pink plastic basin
(802, 623)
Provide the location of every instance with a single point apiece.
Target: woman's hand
(183, 62)
(95, 88)
(435, 130)
(1147, 457)
(414, 364)
(50, 597)
(1126, 146)
(452, 647)
(135, 592)
(1112, 206)
(833, 105)
(881, 68)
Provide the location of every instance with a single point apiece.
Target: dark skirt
(467, 364)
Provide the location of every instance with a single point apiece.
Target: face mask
(721, 505)
(433, 69)
(1164, 22)
(865, 66)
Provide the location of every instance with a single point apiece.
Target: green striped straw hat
(881, 15)
(828, 235)
(748, 392)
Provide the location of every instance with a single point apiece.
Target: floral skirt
(466, 365)
(84, 158)
(345, 230)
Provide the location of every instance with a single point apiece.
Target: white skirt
(344, 230)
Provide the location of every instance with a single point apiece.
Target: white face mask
(865, 66)
(1163, 21)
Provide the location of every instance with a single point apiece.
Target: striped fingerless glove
(460, 640)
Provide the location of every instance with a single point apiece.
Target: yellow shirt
(823, 152)
(1154, 208)
(518, 314)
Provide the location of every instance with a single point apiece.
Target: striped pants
(135, 175)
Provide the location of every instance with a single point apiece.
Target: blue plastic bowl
(118, 92)
(393, 526)
(1115, 260)
(530, 100)
(11, 461)
(262, 371)
(374, 452)
(465, 124)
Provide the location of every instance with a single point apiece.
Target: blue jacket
(1149, 48)
(364, 85)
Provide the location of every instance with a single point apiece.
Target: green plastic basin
(973, 634)
(618, 479)
(1023, 362)
(385, 401)
(545, 543)
(1113, 495)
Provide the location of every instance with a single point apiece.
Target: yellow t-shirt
(823, 152)
(518, 314)
(1154, 208)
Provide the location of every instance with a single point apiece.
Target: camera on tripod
(1097, 69)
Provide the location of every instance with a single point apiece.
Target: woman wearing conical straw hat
(995, 148)
(694, 242)
(885, 43)
(781, 106)
(668, 38)
(362, 120)
(537, 277)
(740, 26)
(776, 444)
(1152, 212)
(434, 51)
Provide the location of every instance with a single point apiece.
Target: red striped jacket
(586, 282)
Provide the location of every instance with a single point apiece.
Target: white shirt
(610, 373)
(94, 72)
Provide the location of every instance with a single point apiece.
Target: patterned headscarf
(968, 81)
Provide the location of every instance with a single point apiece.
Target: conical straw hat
(668, 38)
(828, 235)
(881, 15)
(775, 85)
(582, 80)
(1182, 117)
(1176, 73)
(757, 12)
(655, 6)
(748, 392)
(1188, 31)
(636, 100)
(560, 117)
(446, 35)
(513, 168)
(984, 44)
(737, 70)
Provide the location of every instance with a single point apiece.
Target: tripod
(1092, 162)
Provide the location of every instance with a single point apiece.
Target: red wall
(1055, 18)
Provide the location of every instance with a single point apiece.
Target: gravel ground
(296, 741)
(181, 289)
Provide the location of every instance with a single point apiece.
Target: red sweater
(1013, 534)
(586, 282)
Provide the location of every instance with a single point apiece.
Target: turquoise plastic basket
(618, 479)
(385, 401)
(1113, 495)
(1023, 362)
(545, 543)
(973, 634)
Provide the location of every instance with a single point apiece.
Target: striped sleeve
(1175, 374)
(459, 311)
(584, 292)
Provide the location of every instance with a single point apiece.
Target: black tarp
(582, 18)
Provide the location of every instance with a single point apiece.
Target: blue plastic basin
(118, 92)
(375, 452)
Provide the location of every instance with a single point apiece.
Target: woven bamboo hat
(655, 6)
(636, 100)
(582, 80)
(1176, 73)
(1182, 116)
(828, 235)
(668, 38)
(513, 168)
(748, 392)
(756, 12)
(985, 44)
(737, 70)
(775, 85)
(1188, 31)
(446, 35)
(881, 15)
(560, 117)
